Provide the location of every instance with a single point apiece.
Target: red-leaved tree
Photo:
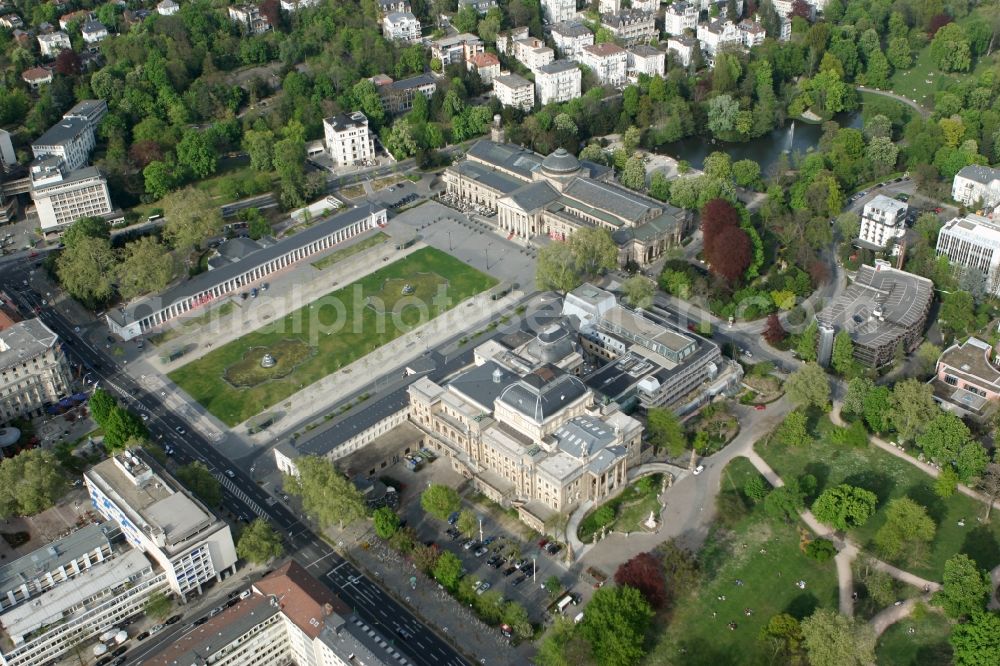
(644, 572)
(801, 9)
(774, 332)
(272, 12)
(937, 22)
(145, 151)
(68, 63)
(731, 254)
(717, 215)
(819, 272)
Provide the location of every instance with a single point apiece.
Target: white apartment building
(570, 37)
(608, 62)
(90, 110)
(461, 47)
(680, 17)
(516, 91)
(718, 34)
(249, 16)
(167, 8)
(507, 39)
(158, 517)
(751, 33)
(486, 65)
(558, 81)
(977, 185)
(631, 26)
(555, 11)
(882, 220)
(973, 242)
(296, 5)
(532, 53)
(683, 48)
(401, 27)
(609, 6)
(348, 139)
(481, 6)
(33, 370)
(387, 6)
(93, 31)
(52, 43)
(71, 139)
(62, 197)
(645, 59)
(646, 5)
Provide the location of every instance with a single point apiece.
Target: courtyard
(327, 334)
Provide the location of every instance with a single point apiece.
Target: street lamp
(534, 570)
(480, 529)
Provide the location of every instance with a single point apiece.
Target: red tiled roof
(604, 49)
(302, 597)
(36, 74)
(484, 60)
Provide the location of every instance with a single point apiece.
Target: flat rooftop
(642, 327)
(971, 361)
(56, 554)
(25, 340)
(63, 132)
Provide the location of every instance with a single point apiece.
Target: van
(245, 593)
(565, 601)
(579, 618)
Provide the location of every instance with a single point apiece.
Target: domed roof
(560, 162)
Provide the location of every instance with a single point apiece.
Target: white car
(698, 470)
(230, 474)
(156, 628)
(145, 416)
(482, 587)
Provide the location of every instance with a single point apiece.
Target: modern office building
(62, 196)
(90, 110)
(883, 220)
(608, 62)
(401, 27)
(348, 139)
(570, 37)
(72, 139)
(555, 11)
(151, 312)
(397, 96)
(558, 81)
(516, 91)
(34, 371)
(973, 242)
(163, 520)
(883, 309)
(966, 378)
(977, 185)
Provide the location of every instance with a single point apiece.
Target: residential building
(167, 8)
(532, 53)
(486, 65)
(972, 243)
(348, 139)
(558, 81)
(79, 17)
(387, 6)
(682, 48)
(401, 26)
(679, 18)
(717, 35)
(609, 6)
(751, 33)
(882, 310)
(555, 11)
(481, 6)
(397, 96)
(71, 139)
(607, 61)
(977, 186)
(516, 91)
(289, 617)
(250, 17)
(966, 378)
(163, 520)
(882, 221)
(650, 6)
(37, 76)
(62, 196)
(458, 48)
(11, 22)
(645, 59)
(52, 43)
(631, 26)
(34, 371)
(783, 7)
(93, 31)
(570, 37)
(296, 5)
(507, 39)
(557, 194)
(215, 285)
(90, 110)
(786, 30)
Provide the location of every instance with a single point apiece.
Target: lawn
(889, 478)
(921, 81)
(630, 509)
(187, 324)
(350, 250)
(338, 328)
(694, 636)
(926, 646)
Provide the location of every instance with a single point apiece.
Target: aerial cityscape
(514, 332)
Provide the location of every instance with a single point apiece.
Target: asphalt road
(241, 495)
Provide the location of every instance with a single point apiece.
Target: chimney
(327, 609)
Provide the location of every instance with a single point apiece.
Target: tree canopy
(30, 482)
(196, 477)
(615, 625)
(832, 639)
(327, 495)
(259, 543)
(440, 501)
(845, 506)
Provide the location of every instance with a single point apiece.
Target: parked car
(520, 579)
(173, 619)
(120, 651)
(488, 540)
(509, 570)
(482, 550)
(553, 548)
(470, 544)
(482, 587)
(576, 598)
(231, 474)
(143, 636)
(760, 408)
(200, 621)
(453, 533)
(453, 518)
(698, 470)
(156, 628)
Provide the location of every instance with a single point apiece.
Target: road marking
(314, 562)
(232, 488)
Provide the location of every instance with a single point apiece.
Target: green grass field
(187, 324)
(695, 637)
(889, 477)
(350, 250)
(339, 328)
(921, 81)
(631, 508)
(926, 646)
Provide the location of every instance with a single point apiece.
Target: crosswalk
(228, 484)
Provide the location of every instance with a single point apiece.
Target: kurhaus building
(152, 312)
(556, 195)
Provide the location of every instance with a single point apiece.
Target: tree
(440, 501)
(448, 570)
(30, 482)
(882, 153)
(756, 488)
(845, 507)
(965, 588)
(67, 63)
(746, 173)
(466, 19)
(794, 430)
(120, 427)
(192, 217)
(86, 270)
(633, 176)
(878, 71)
(593, 251)
(976, 642)
(631, 139)
(907, 528)
(808, 386)
(615, 624)
(989, 484)
(556, 268)
(821, 550)
(806, 348)
(101, 403)
(327, 495)
(196, 153)
(257, 224)
(774, 332)
(386, 522)
(732, 254)
(783, 503)
(146, 267)
(259, 145)
(832, 639)
(899, 53)
(645, 573)
(196, 477)
(639, 291)
(913, 408)
(946, 483)
(665, 431)
(259, 543)
(784, 633)
(160, 177)
(947, 439)
(927, 356)
(950, 49)
(366, 94)
(86, 227)
(680, 567)
(516, 617)
(842, 358)
(467, 522)
(877, 410)
(158, 605)
(958, 312)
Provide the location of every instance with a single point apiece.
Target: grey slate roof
(534, 196)
(507, 156)
(560, 161)
(512, 81)
(63, 132)
(483, 383)
(645, 50)
(583, 436)
(543, 393)
(611, 198)
(981, 174)
(557, 66)
(571, 29)
(417, 81)
(493, 179)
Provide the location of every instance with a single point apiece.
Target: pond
(796, 136)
